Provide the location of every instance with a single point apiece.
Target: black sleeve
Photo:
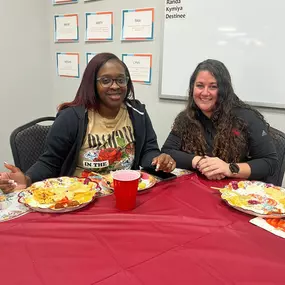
(150, 148)
(172, 146)
(58, 144)
(262, 152)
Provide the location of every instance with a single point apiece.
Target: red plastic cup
(126, 188)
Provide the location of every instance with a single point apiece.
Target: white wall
(25, 67)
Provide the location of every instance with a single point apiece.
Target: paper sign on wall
(138, 24)
(99, 26)
(89, 56)
(67, 64)
(57, 2)
(140, 66)
(66, 28)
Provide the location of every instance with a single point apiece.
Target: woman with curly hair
(218, 134)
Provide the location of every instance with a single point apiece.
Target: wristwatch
(234, 168)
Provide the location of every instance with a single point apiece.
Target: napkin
(275, 226)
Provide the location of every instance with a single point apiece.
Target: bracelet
(199, 161)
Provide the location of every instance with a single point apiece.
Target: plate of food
(255, 198)
(146, 181)
(96, 177)
(4, 202)
(59, 195)
(10, 208)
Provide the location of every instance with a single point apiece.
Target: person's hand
(214, 168)
(164, 162)
(13, 180)
(217, 177)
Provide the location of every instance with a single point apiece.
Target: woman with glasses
(217, 133)
(103, 129)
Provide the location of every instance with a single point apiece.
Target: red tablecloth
(180, 233)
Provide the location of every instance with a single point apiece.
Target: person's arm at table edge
(254, 169)
(245, 169)
(263, 154)
(184, 160)
(262, 150)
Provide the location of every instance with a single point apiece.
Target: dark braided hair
(228, 146)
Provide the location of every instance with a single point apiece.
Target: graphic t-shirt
(108, 144)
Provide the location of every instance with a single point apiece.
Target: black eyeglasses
(108, 82)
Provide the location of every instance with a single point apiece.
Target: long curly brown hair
(231, 139)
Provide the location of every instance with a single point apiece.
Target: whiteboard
(248, 36)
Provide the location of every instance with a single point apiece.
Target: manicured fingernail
(5, 162)
(15, 184)
(11, 181)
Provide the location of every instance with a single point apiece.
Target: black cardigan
(67, 134)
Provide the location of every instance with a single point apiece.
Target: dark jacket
(67, 134)
(262, 156)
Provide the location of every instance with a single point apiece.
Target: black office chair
(279, 141)
(27, 142)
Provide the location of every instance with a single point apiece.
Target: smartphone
(160, 174)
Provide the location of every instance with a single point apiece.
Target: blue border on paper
(55, 30)
(89, 53)
(150, 71)
(86, 27)
(62, 53)
(134, 39)
(63, 3)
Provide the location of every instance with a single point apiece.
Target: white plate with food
(59, 195)
(146, 181)
(255, 198)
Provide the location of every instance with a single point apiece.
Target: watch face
(234, 168)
